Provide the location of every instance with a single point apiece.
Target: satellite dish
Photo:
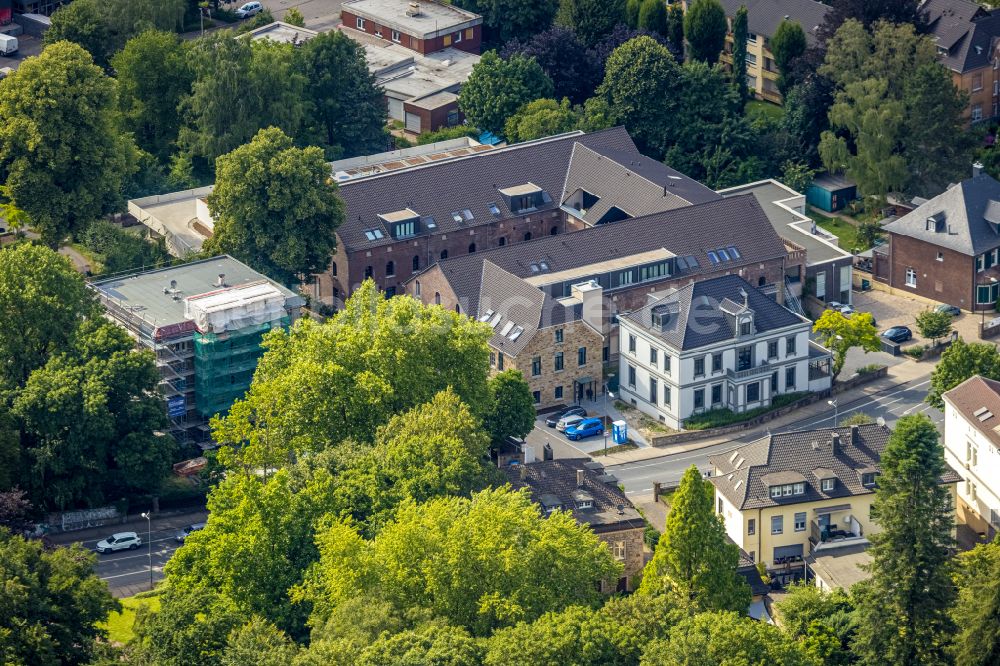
(880, 421)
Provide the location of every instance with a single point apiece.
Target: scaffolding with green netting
(224, 364)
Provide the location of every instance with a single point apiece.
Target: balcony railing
(836, 536)
(764, 368)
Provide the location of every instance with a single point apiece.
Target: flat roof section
(431, 18)
(282, 32)
(790, 225)
(157, 296)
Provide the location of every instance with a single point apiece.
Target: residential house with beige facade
(972, 447)
(789, 496)
(581, 487)
(966, 35)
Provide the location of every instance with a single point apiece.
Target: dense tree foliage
(705, 29)
(787, 44)
(50, 602)
(506, 20)
(870, 12)
(652, 16)
(541, 118)
(740, 36)
(62, 151)
(903, 610)
(840, 334)
(591, 19)
(694, 564)
(977, 609)
(347, 111)
(823, 622)
(275, 207)
(481, 563)
(497, 88)
(319, 384)
(574, 69)
(960, 361)
(120, 250)
(511, 410)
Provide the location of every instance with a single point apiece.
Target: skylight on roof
(494, 209)
(457, 216)
(516, 333)
(429, 222)
(496, 320)
(486, 317)
(543, 265)
(534, 268)
(733, 252)
(467, 214)
(506, 328)
(374, 234)
(691, 261)
(723, 255)
(712, 257)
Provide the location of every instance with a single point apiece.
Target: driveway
(898, 310)
(27, 46)
(319, 15)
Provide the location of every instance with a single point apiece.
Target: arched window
(390, 268)
(368, 272)
(333, 269)
(444, 254)
(458, 309)
(502, 241)
(554, 231)
(437, 298)
(527, 236)
(416, 263)
(416, 289)
(472, 248)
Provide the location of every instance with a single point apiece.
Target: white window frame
(800, 526)
(619, 550)
(911, 277)
(778, 521)
(457, 37)
(395, 36)
(828, 484)
(360, 23)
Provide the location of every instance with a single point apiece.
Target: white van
(8, 45)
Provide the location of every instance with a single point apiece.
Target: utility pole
(149, 545)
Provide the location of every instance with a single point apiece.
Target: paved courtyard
(898, 310)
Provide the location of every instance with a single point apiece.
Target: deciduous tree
(870, 12)
(822, 620)
(154, 73)
(934, 324)
(694, 563)
(787, 44)
(497, 88)
(65, 157)
(903, 610)
(511, 409)
(435, 643)
(505, 20)
(574, 69)
(192, 626)
(840, 334)
(541, 118)
(51, 603)
(591, 19)
(705, 29)
(319, 384)
(259, 643)
(348, 110)
(276, 207)
(977, 608)
(959, 362)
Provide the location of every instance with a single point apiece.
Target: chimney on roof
(580, 481)
(835, 442)
(221, 280)
(413, 9)
(523, 471)
(977, 168)
(855, 435)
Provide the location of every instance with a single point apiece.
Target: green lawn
(756, 108)
(845, 231)
(119, 625)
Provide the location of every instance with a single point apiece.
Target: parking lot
(898, 310)
(27, 46)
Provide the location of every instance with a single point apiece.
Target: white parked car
(567, 421)
(249, 9)
(120, 541)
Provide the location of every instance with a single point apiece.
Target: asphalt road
(130, 568)
(638, 477)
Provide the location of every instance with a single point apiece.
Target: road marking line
(133, 573)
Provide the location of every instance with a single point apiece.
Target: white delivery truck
(8, 45)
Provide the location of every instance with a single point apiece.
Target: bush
(258, 21)
(868, 369)
(447, 133)
(916, 351)
(716, 418)
(177, 491)
(122, 251)
(857, 418)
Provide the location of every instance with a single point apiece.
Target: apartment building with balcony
(972, 447)
(204, 322)
(718, 343)
(763, 19)
(967, 36)
(790, 496)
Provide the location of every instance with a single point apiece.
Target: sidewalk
(899, 375)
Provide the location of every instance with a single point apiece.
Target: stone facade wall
(543, 345)
(635, 556)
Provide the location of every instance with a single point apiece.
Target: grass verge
(845, 231)
(119, 625)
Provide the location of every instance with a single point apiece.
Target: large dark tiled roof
(977, 399)
(764, 16)
(471, 183)
(555, 481)
(698, 313)
(965, 30)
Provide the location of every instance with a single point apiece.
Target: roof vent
(413, 9)
(221, 280)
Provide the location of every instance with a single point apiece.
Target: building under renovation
(204, 322)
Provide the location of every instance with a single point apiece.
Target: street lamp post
(607, 392)
(833, 403)
(149, 544)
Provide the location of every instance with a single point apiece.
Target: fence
(69, 521)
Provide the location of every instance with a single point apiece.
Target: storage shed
(830, 192)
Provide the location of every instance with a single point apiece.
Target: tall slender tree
(977, 611)
(903, 610)
(693, 562)
(705, 30)
(787, 44)
(740, 36)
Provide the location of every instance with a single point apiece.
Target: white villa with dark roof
(718, 343)
(972, 446)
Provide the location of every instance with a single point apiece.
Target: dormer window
(868, 479)
(525, 198)
(402, 223)
(828, 485)
(745, 326)
(583, 500)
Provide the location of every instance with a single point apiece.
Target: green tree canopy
(258, 643)
(497, 88)
(592, 20)
(275, 207)
(347, 112)
(840, 334)
(903, 609)
(977, 608)
(787, 45)
(154, 73)
(51, 603)
(823, 621)
(436, 643)
(705, 29)
(65, 157)
(119, 250)
(960, 361)
(541, 118)
(740, 36)
(319, 384)
(934, 324)
(481, 563)
(693, 563)
(511, 410)
(710, 639)
(192, 627)
(652, 16)
(504, 20)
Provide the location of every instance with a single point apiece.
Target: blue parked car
(585, 428)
